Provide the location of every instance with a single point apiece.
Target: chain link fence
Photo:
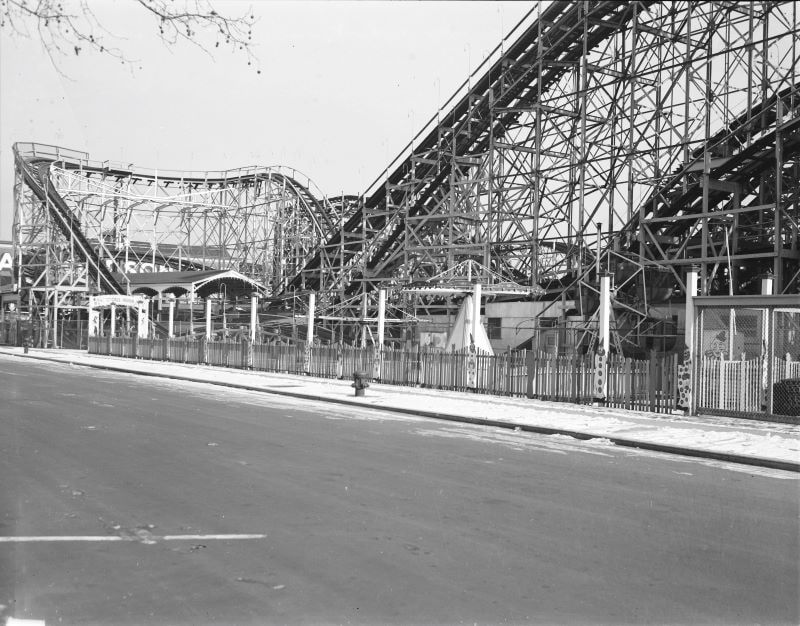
(748, 359)
(70, 334)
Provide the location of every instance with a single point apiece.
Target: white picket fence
(739, 386)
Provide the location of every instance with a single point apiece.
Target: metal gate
(748, 355)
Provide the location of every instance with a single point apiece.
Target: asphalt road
(368, 517)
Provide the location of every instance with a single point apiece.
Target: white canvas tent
(463, 328)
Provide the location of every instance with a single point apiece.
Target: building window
(494, 327)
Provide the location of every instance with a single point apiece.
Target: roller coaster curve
(637, 138)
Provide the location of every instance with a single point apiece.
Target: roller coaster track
(469, 120)
(595, 102)
(36, 172)
(370, 246)
(742, 165)
(37, 163)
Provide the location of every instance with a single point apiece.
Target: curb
(541, 430)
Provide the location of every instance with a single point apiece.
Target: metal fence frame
(744, 386)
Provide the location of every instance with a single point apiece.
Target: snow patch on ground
(766, 440)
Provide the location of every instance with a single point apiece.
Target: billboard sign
(6, 262)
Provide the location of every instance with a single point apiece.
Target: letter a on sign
(5, 261)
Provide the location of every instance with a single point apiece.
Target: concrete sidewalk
(764, 444)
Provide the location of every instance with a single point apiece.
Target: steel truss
(82, 226)
(637, 138)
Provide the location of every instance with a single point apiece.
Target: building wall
(512, 321)
(516, 320)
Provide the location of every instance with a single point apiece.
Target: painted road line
(208, 537)
(153, 538)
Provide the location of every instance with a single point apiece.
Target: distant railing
(645, 385)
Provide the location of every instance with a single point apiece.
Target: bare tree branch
(67, 27)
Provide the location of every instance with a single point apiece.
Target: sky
(343, 87)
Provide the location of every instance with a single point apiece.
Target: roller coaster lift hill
(635, 140)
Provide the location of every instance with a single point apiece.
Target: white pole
(312, 298)
(605, 314)
(143, 330)
(94, 318)
(171, 318)
(691, 292)
(598, 252)
(691, 367)
(191, 311)
(363, 321)
(55, 319)
(253, 317)
(476, 312)
(381, 316)
(113, 319)
(768, 376)
(209, 328)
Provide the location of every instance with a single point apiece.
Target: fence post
(687, 372)
(742, 387)
(770, 315)
(628, 398)
(94, 318)
(377, 360)
(651, 380)
(309, 333)
(530, 370)
(472, 367)
(209, 328)
(476, 311)
(603, 340)
(247, 356)
(253, 319)
(142, 321)
(171, 327)
(339, 360)
(418, 368)
(509, 373)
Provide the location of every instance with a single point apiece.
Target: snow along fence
(643, 384)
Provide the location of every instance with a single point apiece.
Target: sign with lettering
(96, 302)
(6, 258)
(134, 267)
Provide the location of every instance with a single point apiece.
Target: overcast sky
(343, 87)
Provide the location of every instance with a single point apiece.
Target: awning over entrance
(203, 283)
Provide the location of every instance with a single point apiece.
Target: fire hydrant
(26, 344)
(360, 382)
